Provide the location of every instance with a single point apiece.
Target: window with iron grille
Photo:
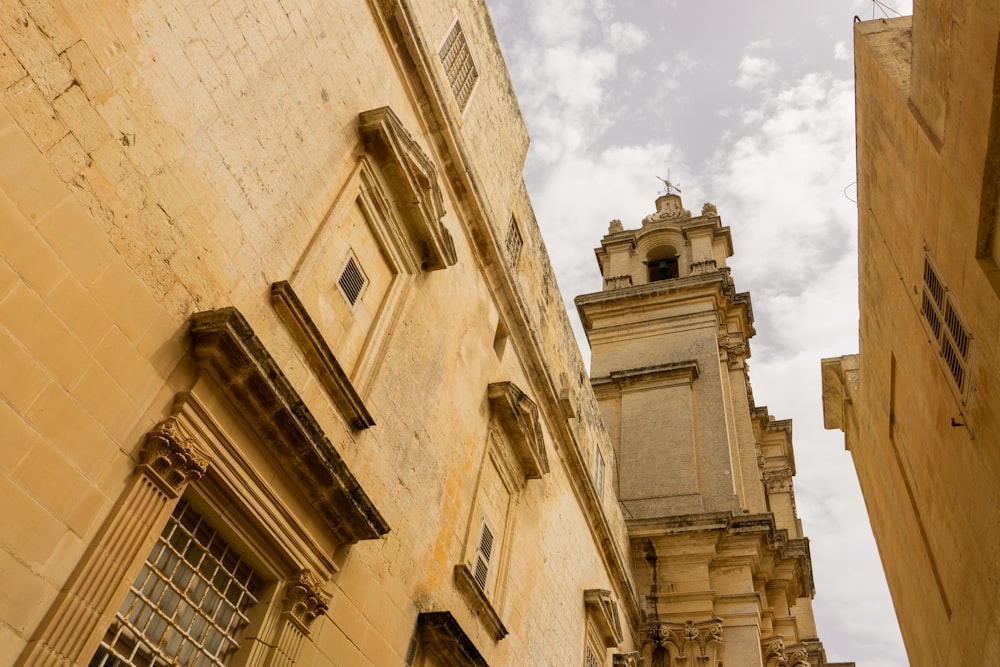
(591, 659)
(189, 604)
(458, 65)
(514, 242)
(352, 281)
(950, 333)
(484, 551)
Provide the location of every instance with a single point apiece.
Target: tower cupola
(670, 244)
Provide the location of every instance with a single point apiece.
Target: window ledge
(328, 370)
(478, 602)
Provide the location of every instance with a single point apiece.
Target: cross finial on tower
(669, 188)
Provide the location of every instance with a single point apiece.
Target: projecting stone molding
(319, 355)
(478, 602)
(413, 178)
(603, 612)
(225, 345)
(518, 416)
(441, 635)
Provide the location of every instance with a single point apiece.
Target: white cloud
(841, 51)
(755, 71)
(626, 37)
(687, 61)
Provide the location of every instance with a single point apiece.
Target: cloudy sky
(750, 106)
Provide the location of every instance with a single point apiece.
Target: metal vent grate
(514, 242)
(352, 281)
(189, 603)
(458, 65)
(483, 554)
(946, 324)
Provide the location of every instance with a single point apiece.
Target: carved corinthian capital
(702, 640)
(778, 481)
(304, 599)
(171, 458)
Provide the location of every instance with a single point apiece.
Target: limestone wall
(161, 158)
(923, 441)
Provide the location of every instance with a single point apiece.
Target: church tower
(704, 476)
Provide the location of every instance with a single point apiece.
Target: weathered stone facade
(287, 379)
(919, 404)
(258, 276)
(704, 476)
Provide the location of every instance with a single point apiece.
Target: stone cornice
(716, 283)
(604, 612)
(441, 635)
(518, 415)
(413, 175)
(721, 528)
(224, 344)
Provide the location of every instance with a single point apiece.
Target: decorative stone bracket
(518, 416)
(603, 612)
(413, 179)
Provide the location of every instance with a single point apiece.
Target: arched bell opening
(661, 263)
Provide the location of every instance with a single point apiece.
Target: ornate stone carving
(778, 481)
(615, 226)
(733, 350)
(709, 209)
(700, 640)
(171, 458)
(617, 282)
(668, 207)
(774, 652)
(799, 658)
(776, 655)
(625, 659)
(704, 266)
(304, 600)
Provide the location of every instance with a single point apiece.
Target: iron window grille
(514, 242)
(458, 65)
(189, 603)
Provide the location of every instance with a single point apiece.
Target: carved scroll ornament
(304, 600)
(171, 458)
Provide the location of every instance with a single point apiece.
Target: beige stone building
(704, 475)
(285, 376)
(920, 404)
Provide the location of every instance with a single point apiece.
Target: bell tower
(704, 476)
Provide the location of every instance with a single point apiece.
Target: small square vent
(352, 281)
